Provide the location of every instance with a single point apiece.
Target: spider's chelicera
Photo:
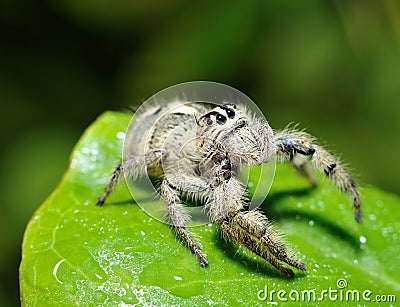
(209, 144)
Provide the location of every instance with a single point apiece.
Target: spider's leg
(132, 167)
(303, 166)
(179, 217)
(188, 184)
(260, 238)
(249, 228)
(290, 143)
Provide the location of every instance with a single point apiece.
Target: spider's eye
(230, 113)
(209, 121)
(220, 119)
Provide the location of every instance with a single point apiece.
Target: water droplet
(250, 184)
(355, 261)
(387, 230)
(299, 205)
(372, 217)
(311, 223)
(142, 233)
(177, 278)
(121, 135)
(363, 239)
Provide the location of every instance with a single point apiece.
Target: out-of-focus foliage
(332, 66)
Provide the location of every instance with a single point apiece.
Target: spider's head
(226, 127)
(221, 118)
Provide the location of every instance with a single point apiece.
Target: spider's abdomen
(169, 127)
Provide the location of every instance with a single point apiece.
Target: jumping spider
(212, 142)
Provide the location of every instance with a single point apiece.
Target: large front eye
(230, 113)
(220, 119)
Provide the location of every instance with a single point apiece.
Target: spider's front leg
(291, 144)
(179, 217)
(249, 228)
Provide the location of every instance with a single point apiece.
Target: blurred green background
(331, 66)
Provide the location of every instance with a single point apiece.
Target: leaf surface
(75, 253)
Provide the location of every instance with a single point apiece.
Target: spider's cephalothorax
(230, 129)
(209, 145)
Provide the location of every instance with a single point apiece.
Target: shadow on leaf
(271, 207)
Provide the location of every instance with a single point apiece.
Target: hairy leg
(132, 167)
(188, 184)
(249, 228)
(179, 217)
(303, 166)
(263, 240)
(290, 143)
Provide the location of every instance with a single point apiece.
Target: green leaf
(75, 253)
